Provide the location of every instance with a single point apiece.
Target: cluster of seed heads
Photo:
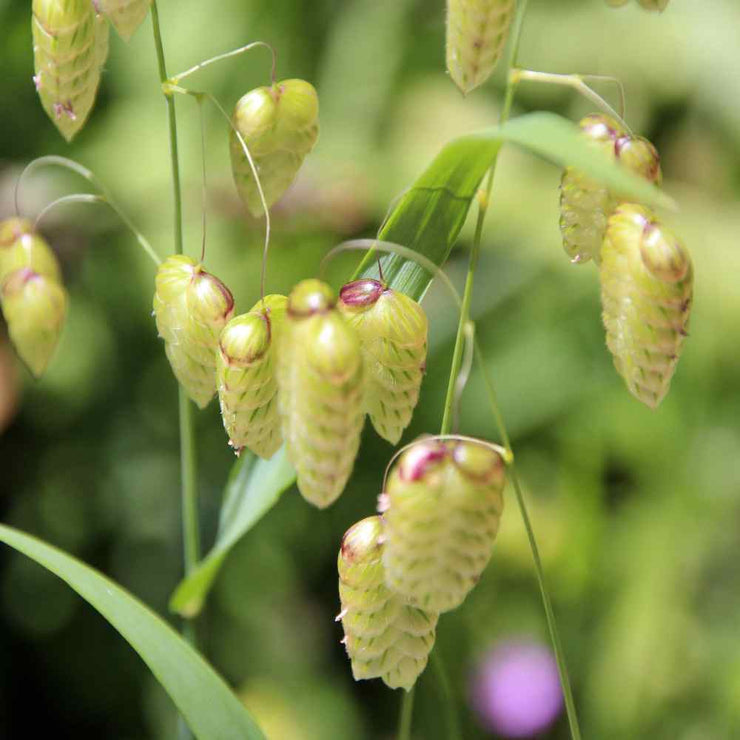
(439, 516)
(33, 297)
(645, 272)
(70, 47)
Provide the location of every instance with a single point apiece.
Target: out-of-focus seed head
(21, 246)
(34, 307)
(245, 377)
(310, 297)
(652, 5)
(384, 636)
(646, 293)
(125, 15)
(476, 36)
(393, 334)
(641, 157)
(442, 508)
(279, 125)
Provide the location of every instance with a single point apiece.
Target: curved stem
(233, 53)
(188, 458)
(204, 189)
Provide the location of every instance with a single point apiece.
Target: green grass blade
(427, 218)
(209, 706)
(252, 490)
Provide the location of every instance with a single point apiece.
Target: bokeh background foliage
(636, 511)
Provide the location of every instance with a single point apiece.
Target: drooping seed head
(246, 377)
(21, 246)
(279, 125)
(585, 204)
(34, 307)
(646, 293)
(125, 15)
(191, 307)
(384, 636)
(69, 47)
(442, 508)
(393, 334)
(320, 392)
(476, 36)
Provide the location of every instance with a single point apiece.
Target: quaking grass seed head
(442, 508)
(384, 636)
(125, 15)
(246, 377)
(35, 307)
(21, 246)
(393, 335)
(646, 292)
(320, 392)
(279, 125)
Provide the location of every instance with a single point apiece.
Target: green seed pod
(385, 637)
(21, 246)
(34, 307)
(585, 204)
(69, 45)
(476, 36)
(246, 377)
(442, 509)
(393, 335)
(280, 126)
(191, 307)
(320, 392)
(646, 292)
(125, 15)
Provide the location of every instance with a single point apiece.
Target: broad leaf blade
(209, 706)
(253, 489)
(428, 218)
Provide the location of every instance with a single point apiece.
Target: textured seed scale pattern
(442, 508)
(585, 204)
(246, 377)
(70, 45)
(320, 392)
(280, 126)
(646, 293)
(393, 335)
(191, 307)
(476, 36)
(125, 15)
(385, 637)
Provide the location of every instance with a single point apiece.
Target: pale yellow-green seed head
(21, 246)
(34, 307)
(310, 297)
(69, 47)
(279, 125)
(646, 293)
(641, 157)
(393, 335)
(442, 508)
(385, 637)
(125, 15)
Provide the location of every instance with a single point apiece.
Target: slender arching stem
(233, 53)
(188, 456)
(204, 189)
(97, 198)
(406, 715)
(169, 89)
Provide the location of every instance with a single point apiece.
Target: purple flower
(516, 689)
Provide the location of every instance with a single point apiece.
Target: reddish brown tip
(360, 293)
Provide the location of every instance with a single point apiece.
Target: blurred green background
(637, 512)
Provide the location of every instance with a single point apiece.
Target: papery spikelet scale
(385, 637)
(191, 307)
(476, 36)
(646, 293)
(280, 127)
(246, 377)
(442, 508)
(125, 15)
(70, 46)
(393, 335)
(320, 392)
